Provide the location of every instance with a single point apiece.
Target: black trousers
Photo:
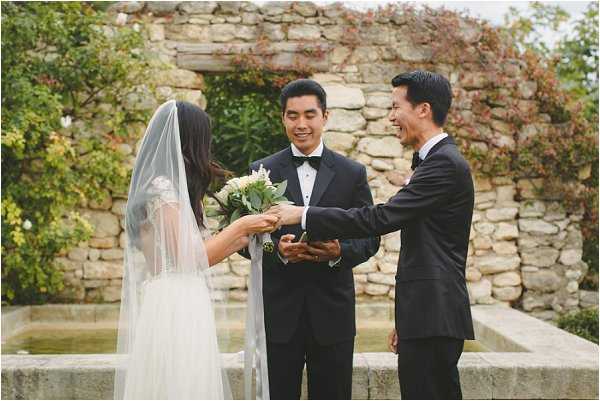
(328, 367)
(427, 368)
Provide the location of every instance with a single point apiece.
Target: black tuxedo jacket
(434, 212)
(326, 292)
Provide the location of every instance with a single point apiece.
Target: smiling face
(408, 119)
(304, 120)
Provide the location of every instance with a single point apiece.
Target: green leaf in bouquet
(255, 201)
(222, 224)
(213, 212)
(281, 187)
(246, 203)
(283, 201)
(234, 216)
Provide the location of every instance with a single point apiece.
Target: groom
(434, 212)
(308, 288)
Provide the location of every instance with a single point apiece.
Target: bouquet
(251, 194)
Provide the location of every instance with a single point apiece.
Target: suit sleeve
(357, 251)
(429, 187)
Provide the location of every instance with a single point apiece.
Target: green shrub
(246, 115)
(583, 323)
(60, 64)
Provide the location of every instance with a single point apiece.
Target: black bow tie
(314, 161)
(415, 161)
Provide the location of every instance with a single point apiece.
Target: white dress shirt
(423, 152)
(306, 173)
(307, 176)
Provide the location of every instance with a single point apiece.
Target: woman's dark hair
(200, 169)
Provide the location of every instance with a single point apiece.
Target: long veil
(166, 274)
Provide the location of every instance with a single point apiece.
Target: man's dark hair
(427, 87)
(303, 87)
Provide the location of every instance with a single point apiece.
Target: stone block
(479, 290)
(204, 63)
(369, 266)
(377, 289)
(383, 376)
(542, 280)
(344, 97)
(68, 265)
(228, 281)
(111, 254)
(501, 214)
(241, 268)
(506, 231)
(382, 278)
(304, 32)
(491, 264)
(179, 78)
(105, 224)
(388, 146)
(78, 254)
(345, 121)
(540, 256)
(588, 299)
(506, 279)
(380, 100)
(102, 243)
(504, 247)
(381, 127)
(537, 227)
(532, 209)
(102, 270)
(381, 165)
(507, 293)
(339, 141)
(569, 257)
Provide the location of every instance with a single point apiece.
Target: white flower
(27, 225)
(238, 183)
(65, 121)
(121, 19)
(136, 27)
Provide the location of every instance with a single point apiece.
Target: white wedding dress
(179, 359)
(167, 327)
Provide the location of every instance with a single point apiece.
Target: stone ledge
(549, 364)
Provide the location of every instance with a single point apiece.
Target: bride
(167, 326)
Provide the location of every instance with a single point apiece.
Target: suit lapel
(290, 173)
(446, 140)
(324, 177)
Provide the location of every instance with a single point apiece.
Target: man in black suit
(308, 288)
(434, 212)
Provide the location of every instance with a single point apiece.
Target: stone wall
(524, 251)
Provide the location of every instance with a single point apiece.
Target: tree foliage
(574, 61)
(246, 116)
(64, 75)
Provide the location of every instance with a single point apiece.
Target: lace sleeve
(163, 193)
(160, 241)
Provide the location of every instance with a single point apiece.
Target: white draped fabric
(168, 326)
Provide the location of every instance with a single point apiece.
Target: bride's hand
(258, 223)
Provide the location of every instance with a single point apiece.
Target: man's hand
(393, 341)
(292, 251)
(288, 214)
(324, 251)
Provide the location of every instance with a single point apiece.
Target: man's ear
(326, 115)
(425, 110)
